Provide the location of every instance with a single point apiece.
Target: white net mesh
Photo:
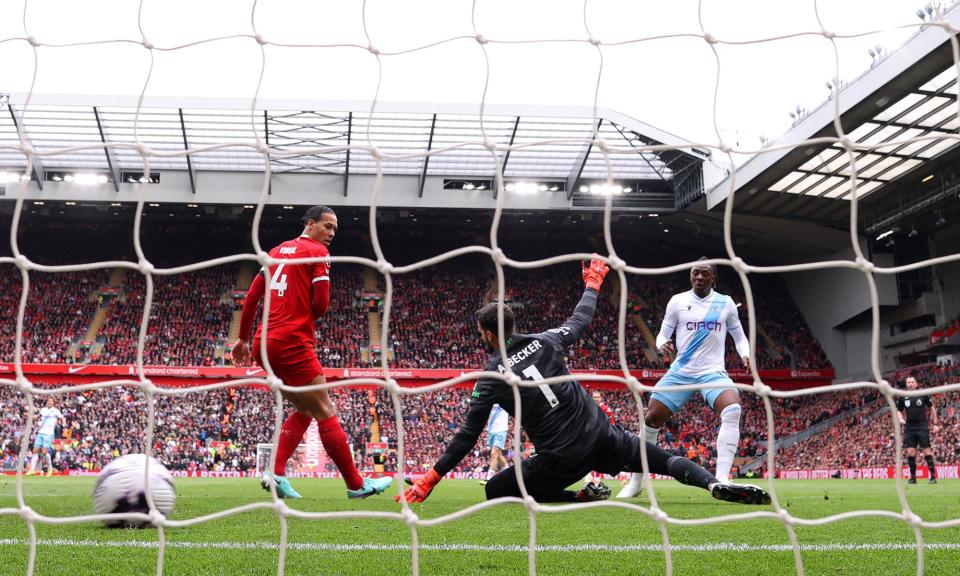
(500, 260)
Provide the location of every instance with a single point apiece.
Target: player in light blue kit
(701, 319)
(497, 426)
(49, 416)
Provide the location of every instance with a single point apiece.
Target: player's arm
(571, 330)
(463, 441)
(735, 329)
(667, 327)
(241, 349)
(934, 417)
(320, 286)
(901, 414)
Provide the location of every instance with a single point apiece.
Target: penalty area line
(328, 547)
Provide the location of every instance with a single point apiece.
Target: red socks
(291, 433)
(335, 443)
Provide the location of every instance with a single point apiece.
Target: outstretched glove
(594, 273)
(421, 488)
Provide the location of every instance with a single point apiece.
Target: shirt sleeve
(574, 327)
(669, 323)
(250, 303)
(466, 437)
(320, 271)
(735, 329)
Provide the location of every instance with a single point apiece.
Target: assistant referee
(912, 412)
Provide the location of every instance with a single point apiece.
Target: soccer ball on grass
(120, 488)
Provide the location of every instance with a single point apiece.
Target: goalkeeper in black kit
(569, 431)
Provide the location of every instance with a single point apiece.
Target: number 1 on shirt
(278, 282)
(533, 373)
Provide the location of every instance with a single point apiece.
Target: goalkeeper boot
(284, 489)
(739, 493)
(633, 487)
(932, 480)
(371, 486)
(593, 492)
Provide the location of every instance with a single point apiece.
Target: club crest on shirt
(689, 306)
(716, 307)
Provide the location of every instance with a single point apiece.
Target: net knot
(864, 264)
(274, 382)
(512, 379)
(384, 267)
(761, 389)
(498, 256)
(281, 508)
(147, 44)
(595, 41)
(373, 50)
(602, 145)
(617, 263)
(146, 267)
(659, 516)
(262, 148)
(710, 38)
(28, 515)
(480, 39)
(828, 34)
(391, 386)
(885, 388)
(24, 385)
(725, 148)
(147, 387)
(786, 518)
(847, 143)
(260, 39)
(157, 518)
(409, 516)
(374, 153)
(33, 41)
(23, 262)
(143, 150)
(738, 264)
(530, 503)
(27, 149)
(634, 384)
(912, 519)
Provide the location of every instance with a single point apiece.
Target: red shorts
(295, 363)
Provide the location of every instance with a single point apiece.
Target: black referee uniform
(916, 430)
(570, 432)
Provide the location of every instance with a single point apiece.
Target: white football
(120, 488)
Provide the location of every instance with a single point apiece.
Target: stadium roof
(292, 128)
(910, 93)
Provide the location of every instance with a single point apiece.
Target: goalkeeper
(571, 434)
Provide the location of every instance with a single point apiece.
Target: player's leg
(621, 451)
(32, 467)
(726, 403)
(928, 456)
(909, 444)
(546, 480)
(48, 459)
(662, 405)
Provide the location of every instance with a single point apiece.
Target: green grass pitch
(489, 542)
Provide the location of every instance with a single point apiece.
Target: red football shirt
(291, 290)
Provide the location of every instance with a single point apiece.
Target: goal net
(497, 60)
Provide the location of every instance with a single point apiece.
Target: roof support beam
(426, 159)
(113, 163)
(186, 146)
(346, 166)
(37, 168)
(266, 140)
(580, 162)
(506, 157)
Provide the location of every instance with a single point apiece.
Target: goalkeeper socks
(912, 462)
(931, 466)
(335, 443)
(686, 472)
(291, 433)
(727, 440)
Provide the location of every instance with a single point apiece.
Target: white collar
(704, 299)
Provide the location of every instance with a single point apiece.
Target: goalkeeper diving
(569, 431)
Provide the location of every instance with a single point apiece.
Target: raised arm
(574, 327)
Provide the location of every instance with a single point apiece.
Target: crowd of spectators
(871, 424)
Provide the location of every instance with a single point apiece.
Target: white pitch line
(316, 546)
